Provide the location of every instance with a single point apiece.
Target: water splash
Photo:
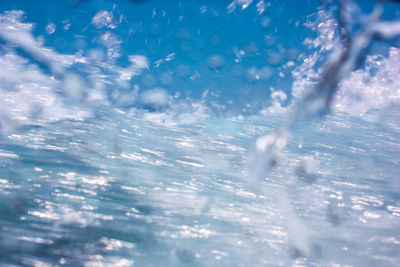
(111, 187)
(269, 151)
(58, 86)
(318, 101)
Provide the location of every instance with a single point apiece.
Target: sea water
(139, 133)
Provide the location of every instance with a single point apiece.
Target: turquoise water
(164, 133)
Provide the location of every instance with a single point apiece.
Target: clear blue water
(164, 133)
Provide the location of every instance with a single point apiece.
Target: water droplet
(183, 71)
(74, 87)
(166, 78)
(265, 22)
(103, 19)
(216, 62)
(50, 28)
(184, 255)
(252, 75)
(305, 170)
(274, 59)
(154, 99)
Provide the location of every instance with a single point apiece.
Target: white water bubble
(261, 6)
(154, 30)
(183, 71)
(155, 98)
(265, 22)
(103, 19)
(184, 34)
(265, 73)
(215, 40)
(166, 78)
(216, 62)
(292, 54)
(279, 96)
(196, 75)
(252, 75)
(238, 53)
(80, 44)
(148, 80)
(50, 28)
(35, 110)
(252, 50)
(40, 40)
(269, 40)
(67, 26)
(274, 58)
(264, 142)
(238, 70)
(74, 86)
(306, 168)
(243, 4)
(96, 55)
(125, 98)
(110, 40)
(169, 57)
(139, 61)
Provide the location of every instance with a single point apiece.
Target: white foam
(31, 95)
(178, 113)
(375, 87)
